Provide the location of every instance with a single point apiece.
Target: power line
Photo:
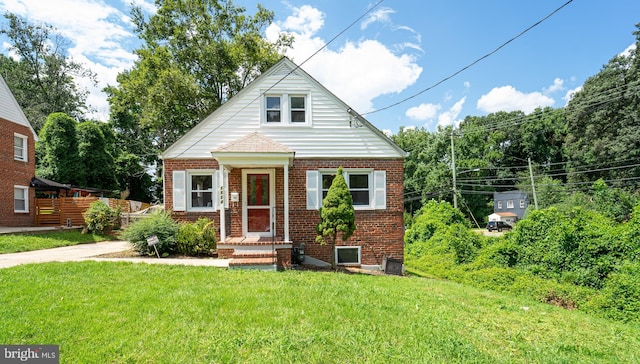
(471, 64)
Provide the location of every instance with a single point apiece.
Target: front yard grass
(136, 313)
(14, 243)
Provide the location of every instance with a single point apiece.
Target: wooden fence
(65, 211)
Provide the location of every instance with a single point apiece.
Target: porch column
(286, 203)
(221, 203)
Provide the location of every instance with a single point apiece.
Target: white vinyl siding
(327, 134)
(20, 199)
(20, 151)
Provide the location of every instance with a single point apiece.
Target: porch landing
(263, 253)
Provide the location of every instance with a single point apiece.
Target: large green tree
(41, 74)
(604, 123)
(94, 157)
(337, 215)
(58, 148)
(196, 54)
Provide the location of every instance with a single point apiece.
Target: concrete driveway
(84, 252)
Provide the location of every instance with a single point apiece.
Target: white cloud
(358, 72)
(628, 50)
(507, 98)
(423, 112)
(380, 15)
(450, 117)
(97, 33)
(558, 85)
(467, 85)
(569, 95)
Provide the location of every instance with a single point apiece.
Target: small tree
(337, 216)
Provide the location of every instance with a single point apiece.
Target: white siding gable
(329, 134)
(10, 109)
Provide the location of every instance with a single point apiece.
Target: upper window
(499, 205)
(273, 109)
(521, 204)
(19, 147)
(285, 109)
(20, 199)
(509, 204)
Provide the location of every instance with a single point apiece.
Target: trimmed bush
(159, 224)
(196, 238)
(100, 218)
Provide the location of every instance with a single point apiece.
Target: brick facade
(378, 232)
(15, 173)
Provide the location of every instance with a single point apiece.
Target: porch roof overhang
(252, 150)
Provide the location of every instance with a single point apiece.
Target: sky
(376, 54)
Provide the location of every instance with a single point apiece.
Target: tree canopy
(41, 76)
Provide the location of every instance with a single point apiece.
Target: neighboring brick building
(17, 162)
(261, 164)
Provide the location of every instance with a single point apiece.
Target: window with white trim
(499, 205)
(348, 255)
(200, 190)
(20, 147)
(20, 199)
(359, 184)
(509, 204)
(280, 109)
(368, 188)
(521, 204)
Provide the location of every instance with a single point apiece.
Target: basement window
(348, 255)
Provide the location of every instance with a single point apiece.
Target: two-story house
(261, 164)
(509, 206)
(17, 162)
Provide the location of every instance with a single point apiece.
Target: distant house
(17, 162)
(261, 164)
(509, 206)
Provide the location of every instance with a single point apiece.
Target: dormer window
(297, 109)
(286, 109)
(273, 109)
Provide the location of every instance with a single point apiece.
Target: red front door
(259, 200)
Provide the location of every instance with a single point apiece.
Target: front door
(258, 189)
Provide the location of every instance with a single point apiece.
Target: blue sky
(397, 50)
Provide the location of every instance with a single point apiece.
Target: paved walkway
(84, 252)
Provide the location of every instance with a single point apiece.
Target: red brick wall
(15, 173)
(379, 232)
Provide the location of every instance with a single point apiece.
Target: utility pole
(453, 167)
(533, 186)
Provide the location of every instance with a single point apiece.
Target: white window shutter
(312, 190)
(380, 189)
(179, 191)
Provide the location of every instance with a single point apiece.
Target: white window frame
(509, 204)
(213, 173)
(25, 148)
(285, 108)
(346, 173)
(25, 191)
(499, 205)
(359, 248)
(521, 204)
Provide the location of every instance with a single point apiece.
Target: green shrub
(159, 224)
(196, 238)
(100, 218)
(620, 297)
(431, 217)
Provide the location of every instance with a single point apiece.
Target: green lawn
(137, 313)
(14, 243)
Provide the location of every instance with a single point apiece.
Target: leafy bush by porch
(159, 224)
(197, 238)
(100, 218)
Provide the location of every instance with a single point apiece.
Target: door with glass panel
(258, 192)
